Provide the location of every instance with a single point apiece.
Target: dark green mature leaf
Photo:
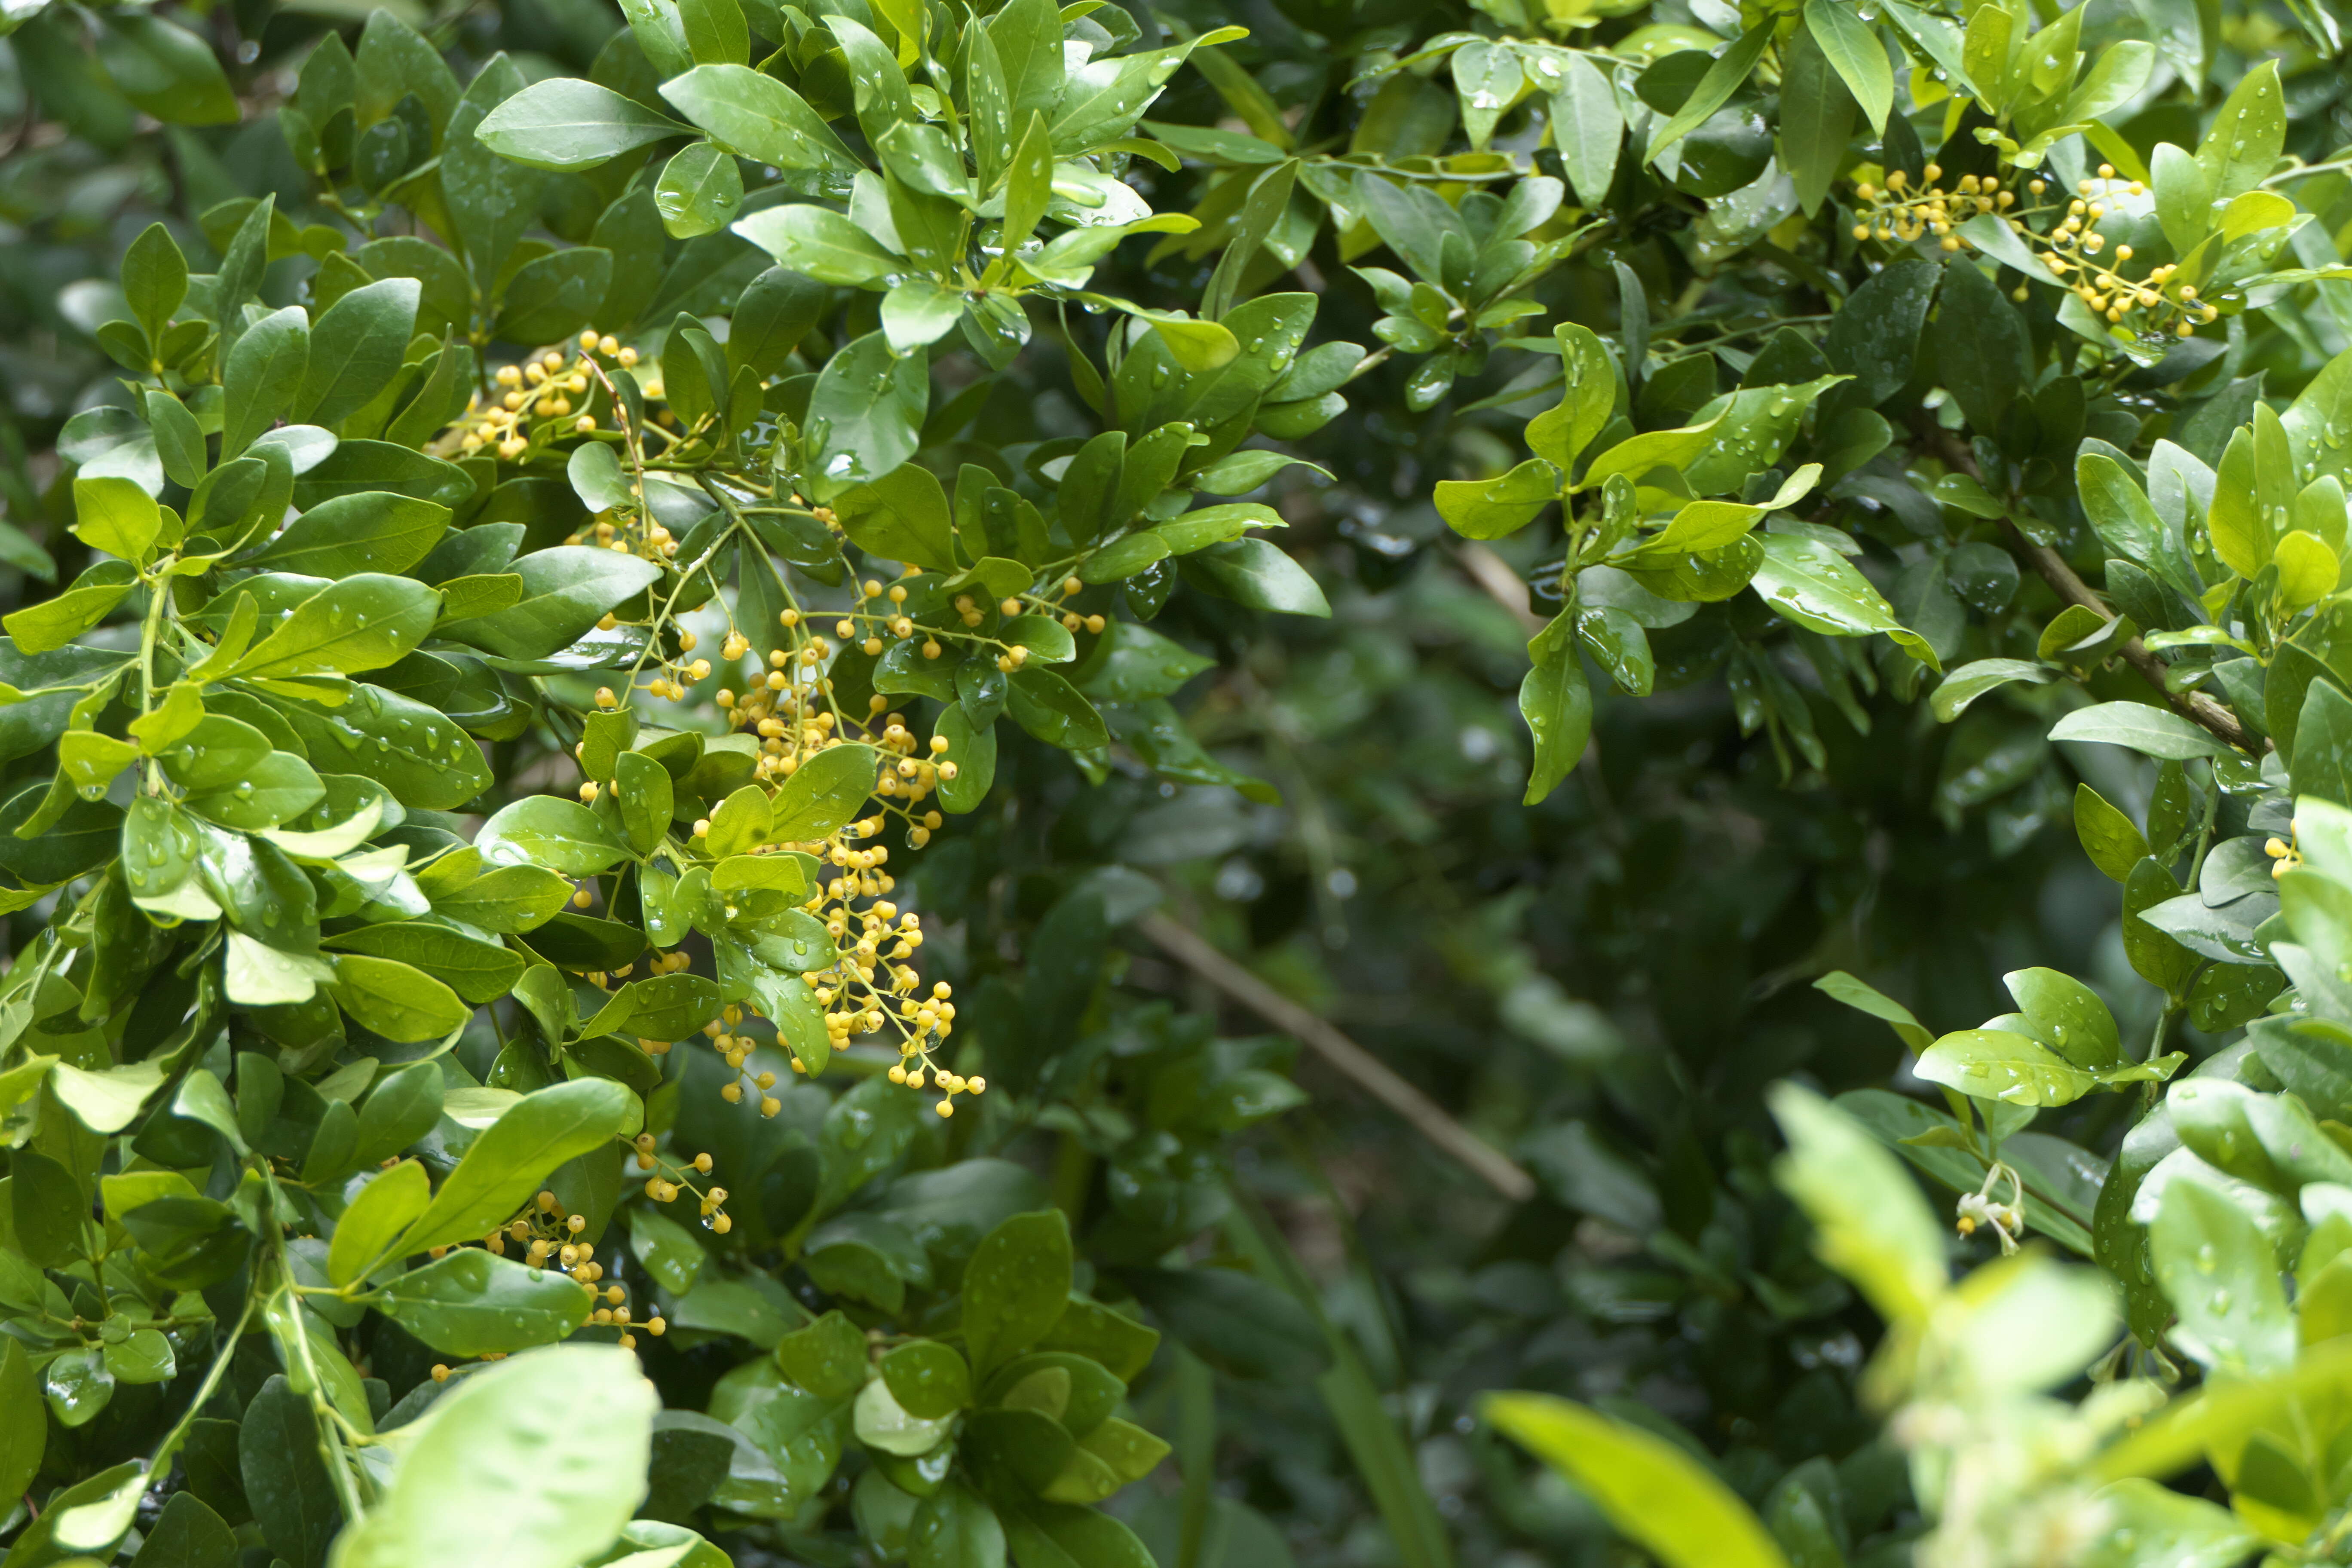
(286, 1475)
(565, 591)
(371, 531)
(1016, 1287)
(187, 1534)
(165, 70)
(413, 751)
(1235, 1321)
(356, 346)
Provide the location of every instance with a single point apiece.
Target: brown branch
(1366, 1070)
(2051, 568)
(1502, 584)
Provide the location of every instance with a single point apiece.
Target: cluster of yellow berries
(1903, 215)
(2284, 857)
(668, 1181)
(736, 1049)
(546, 395)
(2073, 245)
(549, 1237)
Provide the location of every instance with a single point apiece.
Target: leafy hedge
(623, 646)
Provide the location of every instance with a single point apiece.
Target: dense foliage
(689, 679)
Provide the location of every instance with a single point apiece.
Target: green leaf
(825, 795)
(371, 531)
(179, 439)
(1805, 581)
(1652, 1491)
(1556, 704)
(820, 243)
(356, 347)
(377, 1217)
(1869, 1222)
(396, 999)
(165, 70)
(665, 1250)
(1016, 1287)
(507, 1163)
(2144, 727)
(116, 516)
(1047, 706)
(2247, 135)
(565, 123)
(955, 1528)
(755, 116)
(929, 1380)
(537, 1462)
(1867, 998)
(413, 751)
(1998, 1064)
(865, 411)
(699, 189)
(565, 591)
(24, 1422)
(1854, 52)
(471, 1303)
(828, 1358)
(366, 621)
(1490, 509)
(155, 280)
(263, 377)
(2216, 1267)
(548, 830)
(1723, 78)
(1817, 115)
(187, 1534)
(285, 1476)
(2110, 838)
(509, 900)
(1256, 574)
(1586, 401)
(902, 516)
(1964, 685)
(2067, 1015)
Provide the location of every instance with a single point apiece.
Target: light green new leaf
(1869, 1222)
(1587, 398)
(1996, 1063)
(1972, 680)
(506, 1164)
(1865, 997)
(2216, 1267)
(116, 516)
(372, 1221)
(1805, 581)
(1654, 1492)
(1556, 700)
(471, 1303)
(1489, 508)
(536, 1462)
(2151, 730)
(1854, 52)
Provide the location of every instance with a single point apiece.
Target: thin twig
(2051, 568)
(1367, 1071)
(1502, 584)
